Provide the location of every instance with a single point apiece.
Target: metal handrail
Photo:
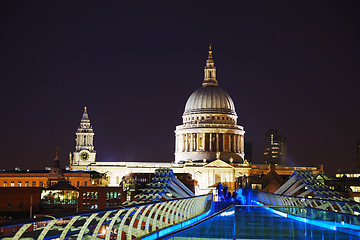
(126, 223)
(351, 208)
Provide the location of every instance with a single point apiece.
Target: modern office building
(274, 147)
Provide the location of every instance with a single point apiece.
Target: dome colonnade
(209, 124)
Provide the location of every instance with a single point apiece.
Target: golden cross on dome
(210, 51)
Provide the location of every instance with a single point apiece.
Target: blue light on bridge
(319, 223)
(173, 228)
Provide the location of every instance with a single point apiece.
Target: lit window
(19, 184)
(34, 184)
(41, 184)
(355, 188)
(5, 183)
(26, 184)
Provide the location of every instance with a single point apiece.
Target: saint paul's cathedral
(209, 145)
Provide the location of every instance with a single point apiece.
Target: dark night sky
(293, 66)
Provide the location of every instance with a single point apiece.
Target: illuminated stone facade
(84, 149)
(209, 145)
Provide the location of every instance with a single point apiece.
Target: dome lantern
(210, 98)
(210, 71)
(209, 124)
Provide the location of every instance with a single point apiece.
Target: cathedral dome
(210, 99)
(209, 130)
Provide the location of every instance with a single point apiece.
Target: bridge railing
(134, 221)
(346, 207)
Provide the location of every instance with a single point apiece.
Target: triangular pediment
(218, 164)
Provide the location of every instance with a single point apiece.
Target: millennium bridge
(303, 208)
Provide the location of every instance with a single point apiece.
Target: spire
(85, 114)
(210, 71)
(210, 52)
(56, 159)
(84, 134)
(56, 170)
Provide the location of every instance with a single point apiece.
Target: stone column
(233, 142)
(186, 142)
(183, 142)
(195, 142)
(224, 145)
(210, 140)
(236, 142)
(242, 144)
(230, 142)
(217, 142)
(203, 143)
(191, 142)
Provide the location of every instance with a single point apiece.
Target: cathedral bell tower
(84, 150)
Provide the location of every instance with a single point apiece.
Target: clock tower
(84, 150)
